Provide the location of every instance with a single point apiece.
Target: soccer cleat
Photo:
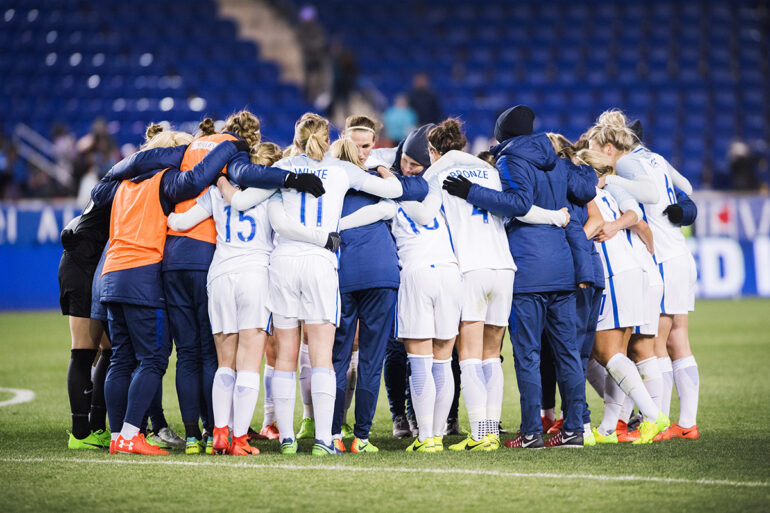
(103, 436)
(588, 439)
(662, 421)
(547, 423)
(469, 444)
(359, 446)
(152, 440)
(663, 435)
(438, 444)
(413, 425)
(137, 445)
(493, 441)
(194, 446)
(425, 446)
(566, 439)
(306, 429)
(452, 427)
(253, 435)
(208, 442)
(649, 429)
(270, 432)
(634, 422)
(339, 445)
(400, 427)
(624, 435)
(167, 436)
(321, 449)
(289, 446)
(221, 440)
(599, 438)
(89, 443)
(526, 442)
(556, 427)
(240, 446)
(347, 431)
(677, 431)
(113, 449)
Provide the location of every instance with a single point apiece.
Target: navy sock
(98, 405)
(79, 390)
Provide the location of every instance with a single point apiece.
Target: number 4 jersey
(244, 239)
(478, 236)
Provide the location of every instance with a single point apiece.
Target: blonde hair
(156, 136)
(562, 146)
(245, 125)
(597, 160)
(345, 149)
(206, 127)
(611, 128)
(266, 154)
(311, 136)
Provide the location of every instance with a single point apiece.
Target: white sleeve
(641, 187)
(292, 229)
(423, 212)
(625, 200)
(538, 215)
(186, 220)
(369, 214)
(381, 157)
(679, 181)
(360, 180)
(247, 198)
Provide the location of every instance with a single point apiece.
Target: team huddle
(345, 257)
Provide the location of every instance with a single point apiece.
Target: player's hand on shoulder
(305, 182)
(457, 186)
(333, 242)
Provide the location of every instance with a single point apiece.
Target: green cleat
(438, 444)
(589, 440)
(427, 446)
(493, 441)
(306, 429)
(469, 444)
(208, 441)
(347, 431)
(649, 429)
(321, 449)
(154, 440)
(89, 443)
(603, 439)
(103, 436)
(194, 446)
(663, 422)
(289, 446)
(360, 446)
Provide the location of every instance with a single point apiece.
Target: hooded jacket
(532, 174)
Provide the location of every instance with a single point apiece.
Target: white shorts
(238, 301)
(620, 307)
(652, 296)
(429, 303)
(303, 288)
(488, 296)
(679, 276)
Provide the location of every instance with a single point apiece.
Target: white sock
(548, 414)
(267, 384)
(652, 378)
(587, 428)
(627, 409)
(495, 381)
(114, 436)
(613, 402)
(222, 396)
(324, 390)
(304, 381)
(284, 396)
(474, 387)
(350, 378)
(596, 374)
(668, 383)
(423, 393)
(128, 431)
(624, 372)
(445, 391)
(245, 398)
(687, 386)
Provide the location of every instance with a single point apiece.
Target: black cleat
(401, 427)
(527, 441)
(452, 427)
(566, 439)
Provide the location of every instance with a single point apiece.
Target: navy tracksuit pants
(552, 314)
(141, 346)
(196, 363)
(396, 371)
(373, 309)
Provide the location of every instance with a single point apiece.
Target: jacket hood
(535, 149)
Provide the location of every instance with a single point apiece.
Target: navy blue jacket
(532, 174)
(368, 257)
(591, 270)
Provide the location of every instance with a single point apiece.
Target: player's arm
(631, 213)
(516, 198)
(581, 184)
(380, 211)
(244, 173)
(292, 229)
(634, 180)
(679, 181)
(385, 186)
(181, 222)
(145, 161)
(415, 188)
(642, 229)
(242, 199)
(538, 215)
(595, 220)
(423, 212)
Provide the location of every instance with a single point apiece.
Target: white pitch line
(20, 396)
(494, 473)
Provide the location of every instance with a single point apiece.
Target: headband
(361, 128)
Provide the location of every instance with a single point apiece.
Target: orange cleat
(623, 435)
(137, 445)
(270, 431)
(113, 450)
(663, 435)
(240, 446)
(677, 431)
(221, 440)
(556, 427)
(547, 423)
(339, 445)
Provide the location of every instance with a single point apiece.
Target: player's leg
(641, 350)
(284, 384)
(98, 415)
(492, 366)
(396, 385)
(548, 384)
(422, 387)
(251, 347)
(664, 360)
(85, 343)
(686, 376)
(122, 365)
(592, 299)
(453, 424)
(306, 428)
(351, 376)
(443, 380)
(341, 355)
(323, 384)
(268, 421)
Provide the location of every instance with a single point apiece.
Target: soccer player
(132, 284)
(303, 278)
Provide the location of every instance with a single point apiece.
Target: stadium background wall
(730, 241)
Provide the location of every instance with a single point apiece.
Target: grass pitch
(727, 469)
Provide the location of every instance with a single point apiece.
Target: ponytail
(311, 136)
(345, 149)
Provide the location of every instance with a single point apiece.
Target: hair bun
(153, 130)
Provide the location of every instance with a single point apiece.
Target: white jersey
(422, 245)
(244, 239)
(617, 254)
(479, 237)
(323, 212)
(669, 241)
